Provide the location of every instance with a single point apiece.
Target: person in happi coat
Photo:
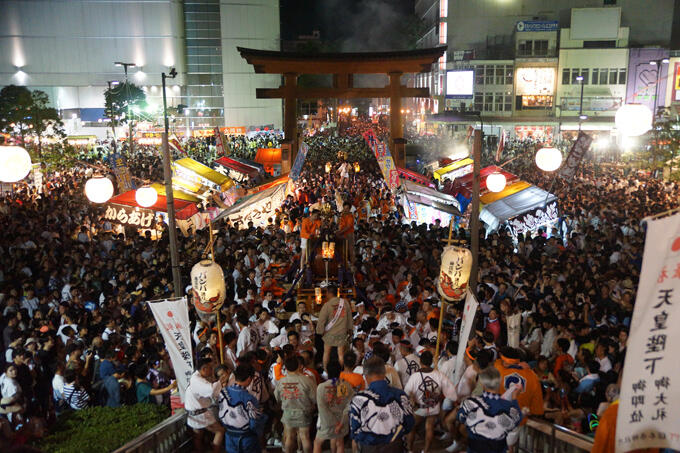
(335, 325)
(199, 403)
(427, 388)
(333, 397)
(297, 394)
(492, 422)
(240, 413)
(381, 415)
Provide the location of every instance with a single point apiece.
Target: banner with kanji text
(649, 403)
(172, 318)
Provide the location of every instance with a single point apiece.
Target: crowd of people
(362, 371)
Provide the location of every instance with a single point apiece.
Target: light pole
(657, 63)
(581, 116)
(113, 83)
(127, 90)
(167, 174)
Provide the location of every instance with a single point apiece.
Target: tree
(118, 98)
(15, 110)
(43, 119)
(666, 139)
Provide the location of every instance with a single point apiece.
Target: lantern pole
(442, 309)
(217, 313)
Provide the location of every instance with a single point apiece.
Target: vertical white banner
(514, 324)
(466, 324)
(649, 407)
(172, 317)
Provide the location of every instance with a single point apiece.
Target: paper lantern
(357, 168)
(328, 250)
(549, 159)
(15, 163)
(633, 119)
(98, 189)
(328, 167)
(454, 272)
(207, 285)
(495, 182)
(146, 196)
(318, 296)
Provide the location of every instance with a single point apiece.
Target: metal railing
(168, 436)
(539, 436)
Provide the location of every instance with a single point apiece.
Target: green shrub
(101, 429)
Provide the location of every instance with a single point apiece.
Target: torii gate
(342, 66)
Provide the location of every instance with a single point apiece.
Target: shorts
(328, 432)
(303, 243)
(296, 418)
(427, 411)
(448, 405)
(335, 340)
(241, 444)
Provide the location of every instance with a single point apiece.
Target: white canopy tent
(494, 214)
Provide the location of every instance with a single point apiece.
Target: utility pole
(167, 175)
(474, 215)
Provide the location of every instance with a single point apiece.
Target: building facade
(530, 60)
(68, 49)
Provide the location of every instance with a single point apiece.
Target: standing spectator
(492, 422)
(75, 396)
(381, 415)
(297, 395)
(333, 397)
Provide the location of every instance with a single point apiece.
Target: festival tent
(199, 180)
(278, 181)
(415, 177)
(249, 163)
(424, 204)
(258, 207)
(525, 209)
(234, 169)
(269, 158)
(461, 188)
(454, 170)
(177, 194)
(183, 209)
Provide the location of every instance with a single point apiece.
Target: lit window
(443, 8)
(442, 32)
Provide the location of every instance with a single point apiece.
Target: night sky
(352, 24)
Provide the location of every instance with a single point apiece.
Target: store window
(479, 75)
(622, 76)
(479, 101)
(566, 76)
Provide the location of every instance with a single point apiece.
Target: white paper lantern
(549, 159)
(633, 119)
(495, 182)
(146, 196)
(15, 163)
(454, 272)
(207, 285)
(98, 189)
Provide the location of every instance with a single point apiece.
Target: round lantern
(633, 119)
(357, 168)
(454, 272)
(146, 196)
(15, 163)
(548, 159)
(328, 167)
(495, 182)
(98, 189)
(207, 285)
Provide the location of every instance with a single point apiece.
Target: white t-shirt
(9, 387)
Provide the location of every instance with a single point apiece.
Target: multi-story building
(527, 57)
(68, 49)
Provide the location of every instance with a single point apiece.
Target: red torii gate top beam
(342, 66)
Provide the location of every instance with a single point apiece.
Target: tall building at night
(68, 49)
(521, 63)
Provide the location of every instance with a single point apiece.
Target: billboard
(535, 81)
(644, 78)
(537, 25)
(460, 84)
(676, 83)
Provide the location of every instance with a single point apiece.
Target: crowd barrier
(539, 436)
(169, 436)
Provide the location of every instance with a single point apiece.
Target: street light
(633, 119)
(167, 174)
(127, 90)
(581, 116)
